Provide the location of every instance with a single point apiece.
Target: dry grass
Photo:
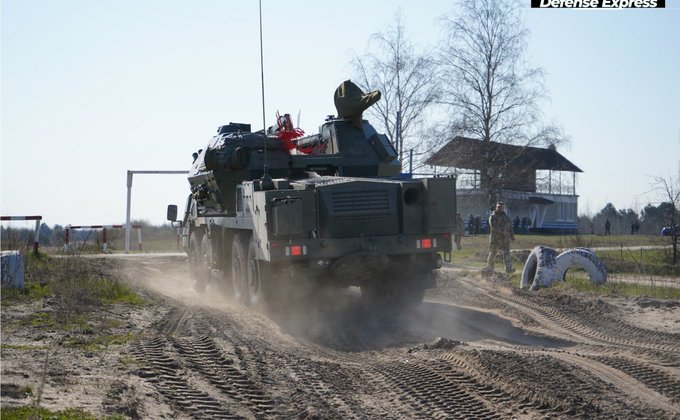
(72, 288)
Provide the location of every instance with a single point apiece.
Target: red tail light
(426, 243)
(296, 250)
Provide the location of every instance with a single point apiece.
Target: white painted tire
(539, 269)
(581, 258)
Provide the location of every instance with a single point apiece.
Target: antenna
(266, 181)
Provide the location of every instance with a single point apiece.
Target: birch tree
(491, 93)
(407, 81)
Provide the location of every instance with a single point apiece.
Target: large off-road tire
(581, 258)
(239, 267)
(539, 270)
(196, 261)
(206, 262)
(257, 279)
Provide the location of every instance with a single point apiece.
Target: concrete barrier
(12, 269)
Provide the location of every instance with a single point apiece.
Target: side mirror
(172, 213)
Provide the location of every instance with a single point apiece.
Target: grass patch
(31, 292)
(22, 413)
(77, 283)
(21, 347)
(98, 343)
(578, 280)
(41, 320)
(69, 295)
(653, 262)
(113, 291)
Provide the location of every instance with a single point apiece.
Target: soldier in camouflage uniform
(458, 231)
(501, 234)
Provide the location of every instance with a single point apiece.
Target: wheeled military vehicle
(276, 210)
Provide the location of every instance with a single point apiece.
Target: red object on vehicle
(286, 132)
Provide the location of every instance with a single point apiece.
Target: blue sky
(91, 89)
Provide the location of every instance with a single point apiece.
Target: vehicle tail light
(426, 243)
(296, 250)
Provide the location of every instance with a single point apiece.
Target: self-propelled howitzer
(335, 212)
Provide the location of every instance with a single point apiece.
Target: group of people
(634, 227)
(521, 226)
(474, 225)
(501, 233)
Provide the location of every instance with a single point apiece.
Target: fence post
(36, 240)
(67, 237)
(105, 246)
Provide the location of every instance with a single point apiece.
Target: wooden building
(538, 185)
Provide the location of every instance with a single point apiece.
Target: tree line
(648, 221)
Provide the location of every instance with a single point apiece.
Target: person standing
(607, 228)
(458, 231)
(500, 235)
(471, 225)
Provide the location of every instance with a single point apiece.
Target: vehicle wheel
(239, 267)
(539, 270)
(255, 284)
(195, 261)
(581, 258)
(206, 262)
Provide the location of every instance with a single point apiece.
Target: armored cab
(337, 211)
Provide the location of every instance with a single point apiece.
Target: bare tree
(492, 94)
(407, 81)
(669, 190)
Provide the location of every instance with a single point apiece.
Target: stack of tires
(544, 266)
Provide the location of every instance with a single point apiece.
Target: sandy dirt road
(476, 348)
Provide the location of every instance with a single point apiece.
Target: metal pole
(127, 214)
(128, 225)
(36, 241)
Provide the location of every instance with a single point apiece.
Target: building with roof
(538, 185)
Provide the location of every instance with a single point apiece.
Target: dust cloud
(338, 318)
